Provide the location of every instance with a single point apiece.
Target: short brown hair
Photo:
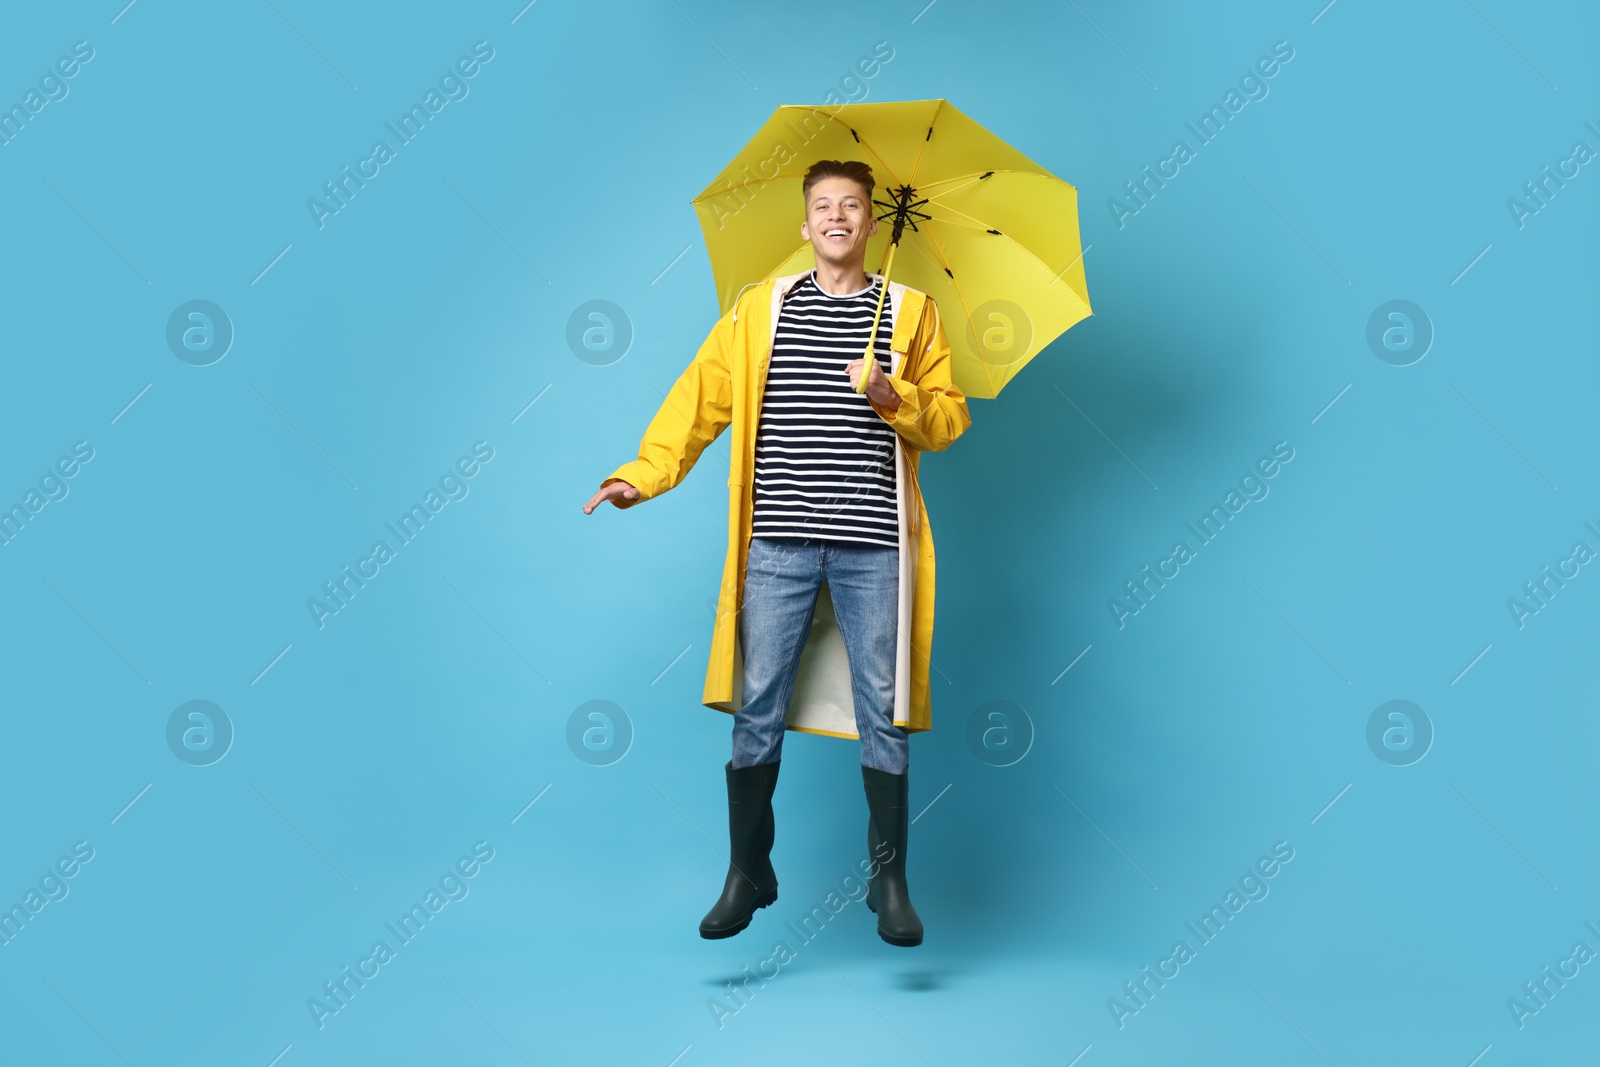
(854, 170)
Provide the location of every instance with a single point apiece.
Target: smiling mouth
(836, 236)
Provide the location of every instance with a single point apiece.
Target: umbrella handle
(868, 359)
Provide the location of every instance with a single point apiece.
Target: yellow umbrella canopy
(988, 233)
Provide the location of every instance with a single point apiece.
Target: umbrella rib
(914, 247)
(934, 198)
(963, 214)
(864, 144)
(923, 148)
(966, 311)
(977, 224)
(956, 222)
(953, 178)
(1019, 244)
(1005, 170)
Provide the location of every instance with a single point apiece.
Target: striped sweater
(824, 461)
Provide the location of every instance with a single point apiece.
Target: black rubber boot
(888, 822)
(751, 881)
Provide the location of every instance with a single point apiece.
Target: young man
(822, 491)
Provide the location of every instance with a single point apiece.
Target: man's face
(838, 222)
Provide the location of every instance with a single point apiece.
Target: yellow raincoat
(723, 387)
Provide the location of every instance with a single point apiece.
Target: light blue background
(425, 716)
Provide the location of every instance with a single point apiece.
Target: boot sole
(902, 942)
(761, 902)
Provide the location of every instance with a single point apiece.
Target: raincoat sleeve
(697, 408)
(933, 410)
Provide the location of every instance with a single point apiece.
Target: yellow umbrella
(993, 236)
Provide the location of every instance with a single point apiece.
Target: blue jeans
(782, 579)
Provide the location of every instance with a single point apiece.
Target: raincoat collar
(784, 284)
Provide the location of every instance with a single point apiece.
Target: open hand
(618, 492)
